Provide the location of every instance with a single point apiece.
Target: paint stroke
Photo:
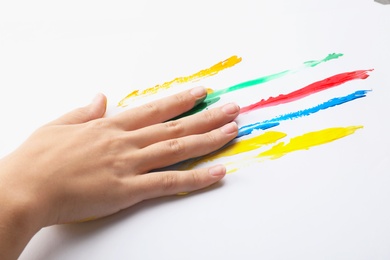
(264, 79)
(240, 147)
(303, 142)
(261, 80)
(308, 140)
(198, 108)
(248, 129)
(315, 87)
(213, 70)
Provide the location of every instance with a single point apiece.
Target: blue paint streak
(248, 129)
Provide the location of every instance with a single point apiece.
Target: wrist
(19, 218)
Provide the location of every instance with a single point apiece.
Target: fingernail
(230, 108)
(217, 171)
(229, 128)
(198, 92)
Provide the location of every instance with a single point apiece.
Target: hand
(84, 166)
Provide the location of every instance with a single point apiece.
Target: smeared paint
(213, 70)
(328, 104)
(303, 142)
(315, 87)
(198, 108)
(264, 79)
(308, 140)
(313, 63)
(218, 93)
(240, 147)
(248, 129)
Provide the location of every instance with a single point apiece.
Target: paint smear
(261, 80)
(308, 140)
(240, 147)
(264, 79)
(303, 142)
(213, 70)
(198, 108)
(248, 129)
(315, 87)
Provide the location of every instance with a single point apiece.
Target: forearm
(17, 223)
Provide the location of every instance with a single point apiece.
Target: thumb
(94, 110)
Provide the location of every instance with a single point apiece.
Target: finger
(158, 184)
(192, 125)
(90, 112)
(172, 151)
(160, 110)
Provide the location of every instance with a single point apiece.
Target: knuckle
(209, 115)
(180, 98)
(175, 127)
(112, 158)
(151, 108)
(195, 178)
(212, 138)
(176, 147)
(115, 146)
(119, 164)
(99, 123)
(169, 181)
(80, 112)
(112, 141)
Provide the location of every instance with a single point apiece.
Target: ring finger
(172, 151)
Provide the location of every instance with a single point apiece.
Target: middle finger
(192, 125)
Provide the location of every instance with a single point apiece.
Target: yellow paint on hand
(209, 90)
(213, 70)
(241, 147)
(81, 220)
(308, 140)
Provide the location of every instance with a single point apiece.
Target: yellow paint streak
(241, 147)
(308, 140)
(213, 70)
(231, 171)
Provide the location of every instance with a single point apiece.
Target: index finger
(160, 110)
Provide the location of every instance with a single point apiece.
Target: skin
(83, 166)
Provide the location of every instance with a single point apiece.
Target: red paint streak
(315, 87)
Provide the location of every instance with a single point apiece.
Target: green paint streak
(264, 79)
(249, 83)
(199, 107)
(314, 63)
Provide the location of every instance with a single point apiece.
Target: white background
(331, 202)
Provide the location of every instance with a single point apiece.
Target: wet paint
(309, 140)
(315, 87)
(213, 70)
(248, 129)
